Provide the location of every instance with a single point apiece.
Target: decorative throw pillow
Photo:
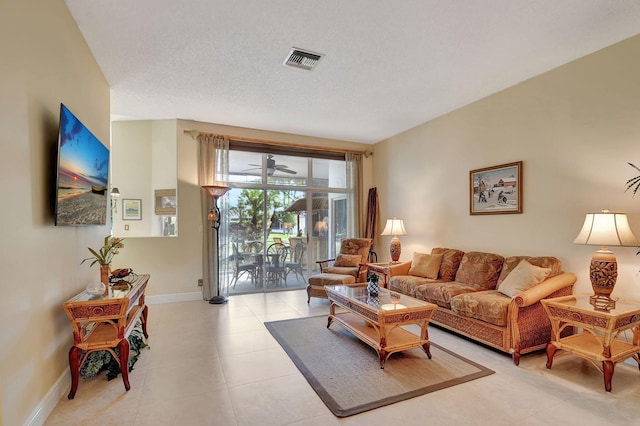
(425, 265)
(348, 260)
(523, 277)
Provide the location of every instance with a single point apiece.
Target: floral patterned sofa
(486, 297)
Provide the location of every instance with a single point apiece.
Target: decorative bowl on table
(96, 288)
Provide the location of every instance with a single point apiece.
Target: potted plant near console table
(103, 256)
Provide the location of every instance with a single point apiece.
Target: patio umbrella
(300, 205)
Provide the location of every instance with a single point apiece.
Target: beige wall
(175, 263)
(45, 61)
(575, 128)
(144, 160)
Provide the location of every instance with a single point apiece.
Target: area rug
(346, 374)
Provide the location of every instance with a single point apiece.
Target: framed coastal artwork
(131, 209)
(496, 189)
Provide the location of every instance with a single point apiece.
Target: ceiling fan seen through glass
(272, 167)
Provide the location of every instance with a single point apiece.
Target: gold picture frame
(496, 189)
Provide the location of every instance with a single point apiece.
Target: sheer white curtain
(213, 169)
(354, 196)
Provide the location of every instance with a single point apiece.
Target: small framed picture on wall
(496, 189)
(131, 209)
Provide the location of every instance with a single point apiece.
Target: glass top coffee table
(377, 320)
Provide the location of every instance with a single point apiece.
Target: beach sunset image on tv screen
(83, 174)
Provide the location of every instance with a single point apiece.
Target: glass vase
(373, 287)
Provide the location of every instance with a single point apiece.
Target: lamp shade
(606, 229)
(115, 193)
(216, 190)
(394, 227)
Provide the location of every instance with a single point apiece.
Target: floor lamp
(213, 217)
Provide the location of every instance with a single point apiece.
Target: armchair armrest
(544, 289)
(400, 269)
(323, 263)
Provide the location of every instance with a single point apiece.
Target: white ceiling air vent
(302, 59)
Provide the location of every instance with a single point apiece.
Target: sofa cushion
(343, 270)
(348, 260)
(359, 246)
(441, 293)
(450, 263)
(406, 284)
(425, 265)
(490, 306)
(479, 268)
(543, 261)
(523, 277)
(331, 279)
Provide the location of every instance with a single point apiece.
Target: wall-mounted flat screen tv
(83, 174)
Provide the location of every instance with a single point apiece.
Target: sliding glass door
(286, 212)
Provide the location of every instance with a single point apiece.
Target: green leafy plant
(634, 183)
(98, 361)
(105, 254)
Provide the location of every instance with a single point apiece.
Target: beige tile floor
(217, 365)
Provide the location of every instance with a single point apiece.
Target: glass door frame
(309, 190)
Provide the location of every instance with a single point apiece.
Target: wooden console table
(105, 322)
(599, 341)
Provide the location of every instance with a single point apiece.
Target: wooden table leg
(427, 349)
(123, 348)
(383, 357)
(607, 369)
(74, 366)
(551, 350)
(145, 312)
(382, 353)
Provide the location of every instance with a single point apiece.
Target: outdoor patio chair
(275, 264)
(295, 262)
(240, 267)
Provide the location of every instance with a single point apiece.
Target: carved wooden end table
(377, 321)
(382, 269)
(599, 340)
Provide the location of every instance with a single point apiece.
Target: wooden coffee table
(377, 322)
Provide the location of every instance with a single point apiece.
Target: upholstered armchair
(353, 252)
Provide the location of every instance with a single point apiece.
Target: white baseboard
(172, 298)
(51, 399)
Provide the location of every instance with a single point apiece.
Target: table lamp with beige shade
(394, 227)
(605, 229)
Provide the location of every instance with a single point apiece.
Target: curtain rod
(195, 133)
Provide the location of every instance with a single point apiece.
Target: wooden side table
(104, 323)
(599, 340)
(382, 269)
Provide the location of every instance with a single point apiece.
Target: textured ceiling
(388, 65)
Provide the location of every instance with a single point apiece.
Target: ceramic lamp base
(395, 249)
(603, 273)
